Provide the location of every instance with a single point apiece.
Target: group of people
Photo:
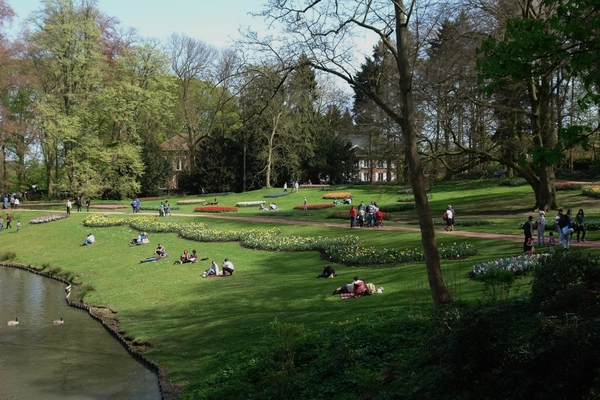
(10, 200)
(369, 215)
(78, 204)
(295, 185)
(141, 238)
(164, 209)
(263, 207)
(565, 226)
(226, 268)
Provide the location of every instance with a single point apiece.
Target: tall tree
(547, 41)
(323, 30)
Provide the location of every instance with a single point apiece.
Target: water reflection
(77, 360)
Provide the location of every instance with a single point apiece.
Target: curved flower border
(215, 209)
(344, 249)
(48, 218)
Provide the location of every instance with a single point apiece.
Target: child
(18, 226)
(551, 242)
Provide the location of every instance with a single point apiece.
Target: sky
(215, 22)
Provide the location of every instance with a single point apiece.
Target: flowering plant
(215, 209)
(276, 194)
(568, 186)
(519, 265)
(337, 195)
(249, 203)
(48, 218)
(108, 206)
(591, 191)
(192, 201)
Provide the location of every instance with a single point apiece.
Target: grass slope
(189, 325)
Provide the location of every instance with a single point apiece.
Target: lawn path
(495, 236)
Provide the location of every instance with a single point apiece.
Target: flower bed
(48, 218)
(591, 191)
(344, 249)
(314, 206)
(249, 203)
(276, 194)
(519, 265)
(108, 206)
(337, 195)
(192, 201)
(215, 209)
(567, 186)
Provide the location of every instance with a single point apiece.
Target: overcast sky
(212, 21)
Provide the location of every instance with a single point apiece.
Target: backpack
(445, 217)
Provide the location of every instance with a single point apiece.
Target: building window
(381, 164)
(366, 177)
(178, 164)
(381, 177)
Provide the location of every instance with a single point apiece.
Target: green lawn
(193, 324)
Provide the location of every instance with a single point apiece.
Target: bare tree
(326, 31)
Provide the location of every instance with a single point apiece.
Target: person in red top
(352, 214)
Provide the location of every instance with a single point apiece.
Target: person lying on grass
(356, 287)
(89, 240)
(154, 258)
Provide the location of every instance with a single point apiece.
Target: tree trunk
(439, 292)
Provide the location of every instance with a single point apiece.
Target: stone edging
(162, 378)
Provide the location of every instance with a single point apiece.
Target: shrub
(337, 195)
(276, 194)
(567, 186)
(397, 207)
(333, 188)
(567, 282)
(8, 256)
(215, 209)
(513, 182)
(338, 215)
(591, 191)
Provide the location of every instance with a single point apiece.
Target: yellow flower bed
(337, 195)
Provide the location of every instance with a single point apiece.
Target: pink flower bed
(108, 206)
(215, 209)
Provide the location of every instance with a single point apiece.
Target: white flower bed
(48, 218)
(519, 264)
(249, 203)
(192, 201)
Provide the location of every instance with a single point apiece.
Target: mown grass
(194, 324)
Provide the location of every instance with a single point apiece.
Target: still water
(78, 360)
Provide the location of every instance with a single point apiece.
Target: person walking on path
(78, 203)
(87, 204)
(580, 225)
(449, 216)
(305, 204)
(68, 207)
(8, 221)
(1, 224)
(540, 226)
(528, 231)
(352, 214)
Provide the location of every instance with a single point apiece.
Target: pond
(76, 360)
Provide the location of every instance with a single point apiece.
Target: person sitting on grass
(139, 239)
(357, 287)
(191, 258)
(160, 250)
(183, 257)
(89, 240)
(213, 270)
(328, 272)
(227, 267)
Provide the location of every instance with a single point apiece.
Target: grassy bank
(190, 326)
